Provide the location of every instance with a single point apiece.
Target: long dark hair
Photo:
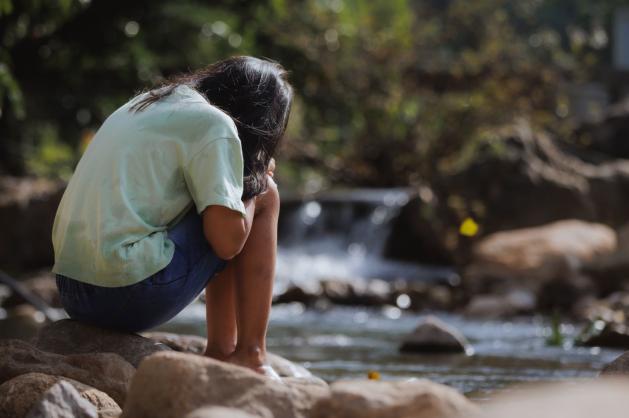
(257, 96)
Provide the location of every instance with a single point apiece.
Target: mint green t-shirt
(139, 175)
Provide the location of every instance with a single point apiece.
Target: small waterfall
(341, 235)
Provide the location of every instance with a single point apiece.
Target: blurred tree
(390, 92)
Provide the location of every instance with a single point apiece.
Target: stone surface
(512, 303)
(435, 336)
(376, 399)
(219, 412)
(107, 372)
(172, 384)
(619, 366)
(196, 345)
(540, 254)
(72, 337)
(62, 400)
(601, 399)
(19, 395)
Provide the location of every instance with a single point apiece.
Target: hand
(271, 170)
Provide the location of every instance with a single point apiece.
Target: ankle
(219, 351)
(252, 354)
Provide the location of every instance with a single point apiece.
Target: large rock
(107, 372)
(62, 400)
(196, 345)
(73, 337)
(375, 399)
(20, 394)
(27, 212)
(600, 399)
(171, 384)
(619, 366)
(435, 336)
(540, 254)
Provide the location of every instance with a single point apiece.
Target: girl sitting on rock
(175, 194)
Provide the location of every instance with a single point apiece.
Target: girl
(175, 194)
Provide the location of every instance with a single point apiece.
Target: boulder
(540, 254)
(62, 400)
(605, 334)
(378, 399)
(27, 209)
(107, 372)
(72, 337)
(19, 395)
(603, 398)
(619, 366)
(296, 293)
(219, 412)
(172, 384)
(435, 336)
(196, 345)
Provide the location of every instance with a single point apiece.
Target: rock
(22, 322)
(19, 395)
(515, 302)
(171, 385)
(435, 336)
(619, 366)
(107, 372)
(196, 345)
(563, 294)
(540, 254)
(603, 398)
(372, 292)
(179, 342)
(27, 209)
(605, 334)
(377, 399)
(72, 337)
(295, 293)
(62, 400)
(219, 412)
(42, 285)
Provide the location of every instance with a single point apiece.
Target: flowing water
(341, 236)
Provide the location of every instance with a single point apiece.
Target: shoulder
(214, 121)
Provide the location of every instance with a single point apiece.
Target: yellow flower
(372, 375)
(468, 228)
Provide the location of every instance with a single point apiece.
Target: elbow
(228, 247)
(226, 253)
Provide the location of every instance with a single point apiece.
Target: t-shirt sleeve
(214, 175)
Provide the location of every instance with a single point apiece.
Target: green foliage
(389, 92)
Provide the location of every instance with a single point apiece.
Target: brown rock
(603, 398)
(107, 372)
(62, 400)
(435, 336)
(374, 399)
(196, 345)
(171, 384)
(540, 254)
(73, 337)
(19, 395)
(620, 366)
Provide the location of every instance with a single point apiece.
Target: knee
(269, 201)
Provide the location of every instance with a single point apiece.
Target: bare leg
(254, 273)
(220, 306)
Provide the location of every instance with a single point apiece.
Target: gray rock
(62, 400)
(20, 394)
(435, 336)
(73, 337)
(219, 412)
(172, 384)
(374, 399)
(107, 372)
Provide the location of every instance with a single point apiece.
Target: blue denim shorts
(156, 299)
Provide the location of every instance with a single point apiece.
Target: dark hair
(257, 96)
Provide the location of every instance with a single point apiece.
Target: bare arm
(227, 230)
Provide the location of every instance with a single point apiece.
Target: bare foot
(255, 361)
